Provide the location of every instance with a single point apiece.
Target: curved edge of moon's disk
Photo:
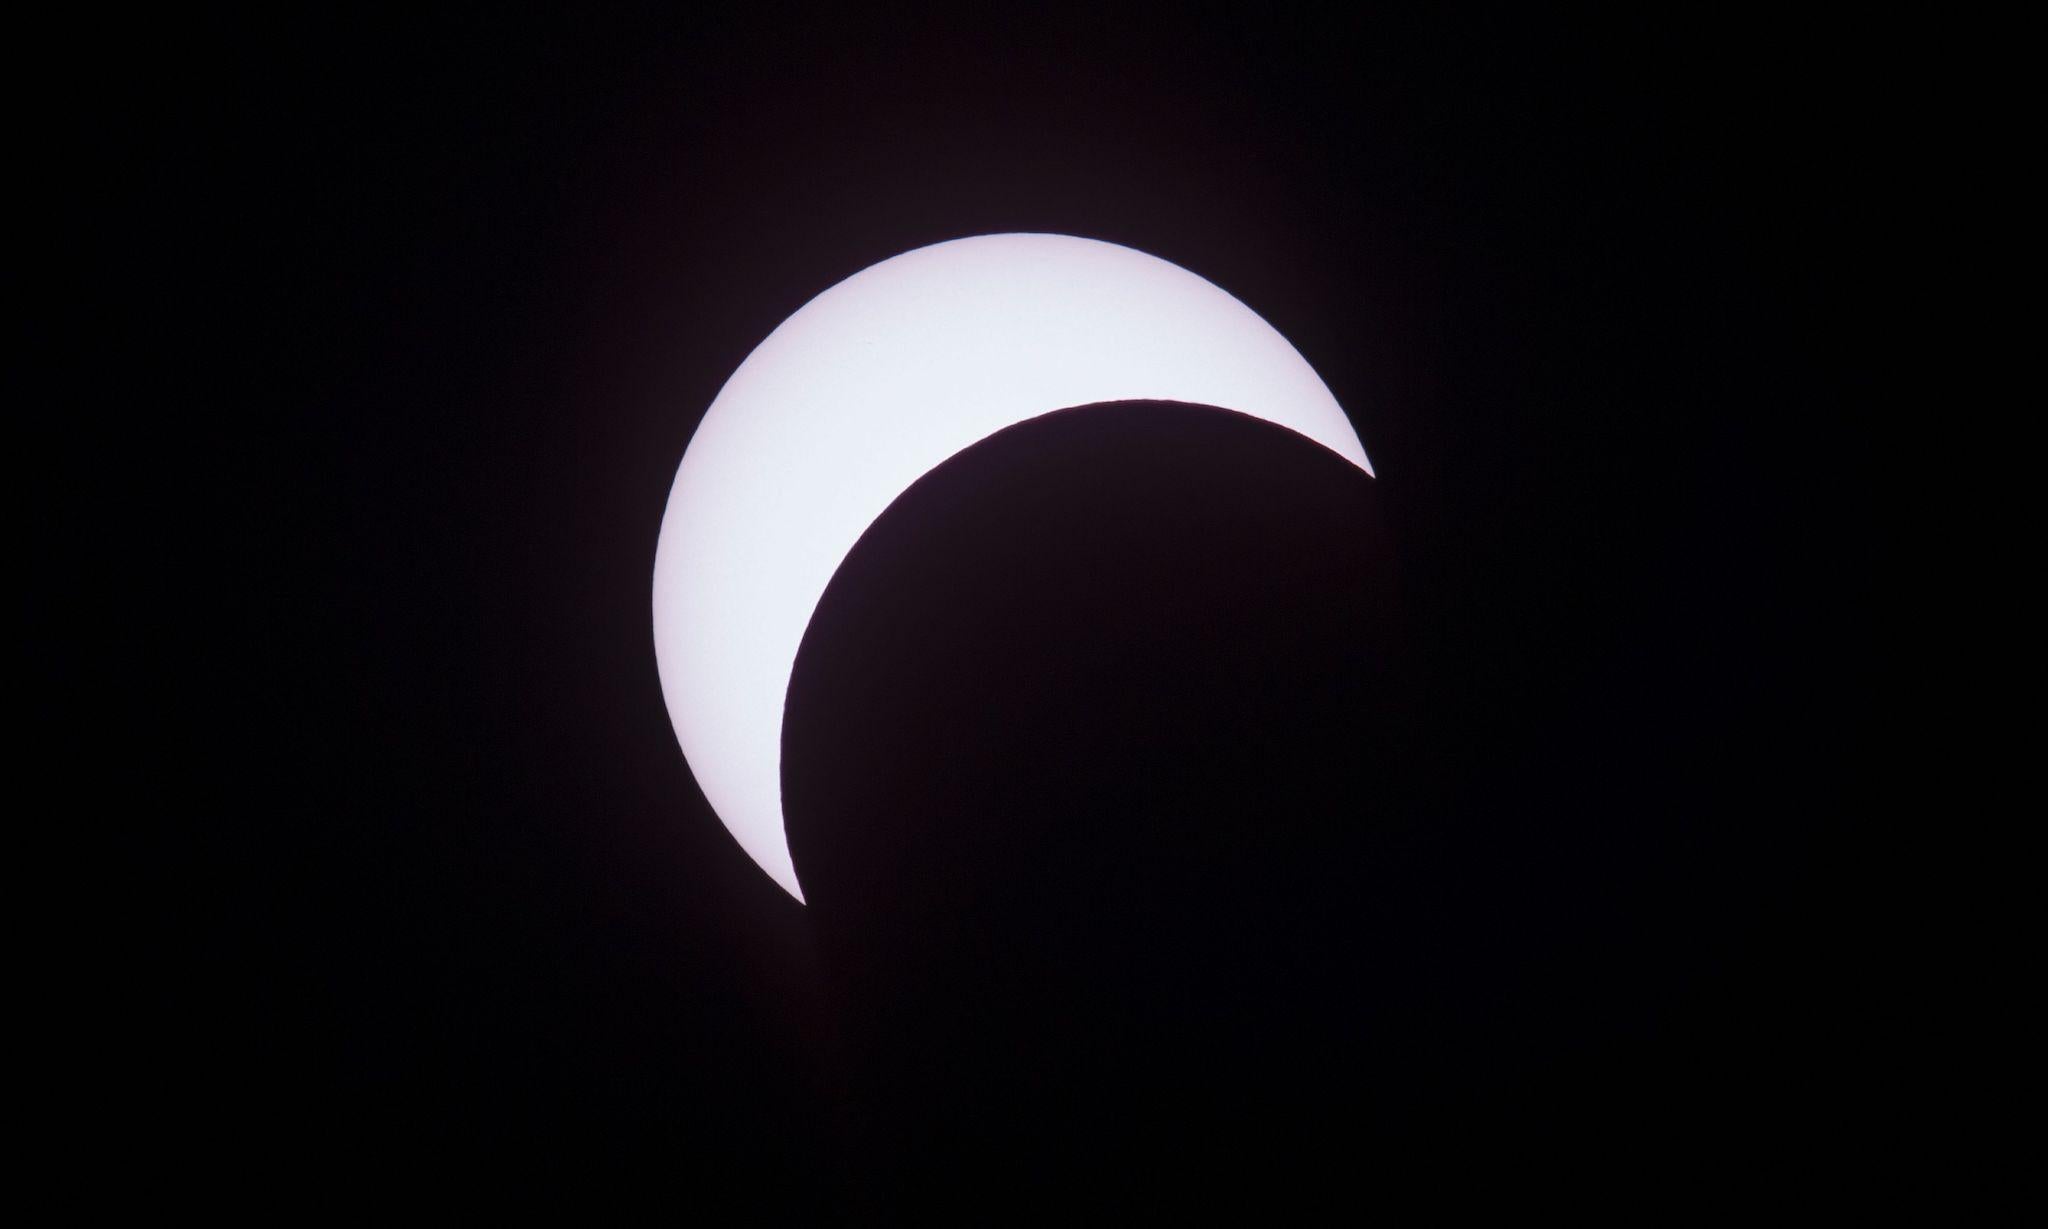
(866, 388)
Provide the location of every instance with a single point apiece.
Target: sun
(868, 387)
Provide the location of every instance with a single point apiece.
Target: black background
(417, 316)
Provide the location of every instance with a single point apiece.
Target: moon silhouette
(868, 387)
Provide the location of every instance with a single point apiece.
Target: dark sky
(423, 312)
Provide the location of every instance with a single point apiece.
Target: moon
(869, 386)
